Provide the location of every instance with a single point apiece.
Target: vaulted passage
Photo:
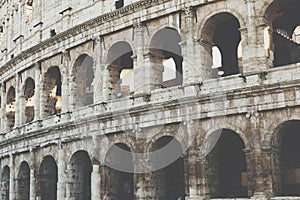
(5, 183)
(10, 107)
(227, 166)
(288, 158)
(222, 32)
(52, 92)
(80, 176)
(23, 182)
(83, 76)
(168, 169)
(29, 99)
(119, 173)
(120, 67)
(284, 17)
(48, 179)
(166, 58)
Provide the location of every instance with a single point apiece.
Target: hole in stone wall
(83, 81)
(10, 107)
(29, 99)
(120, 62)
(48, 179)
(5, 183)
(23, 181)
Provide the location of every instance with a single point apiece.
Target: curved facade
(150, 99)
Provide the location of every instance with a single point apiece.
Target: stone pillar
(193, 170)
(98, 71)
(37, 92)
(12, 178)
(196, 54)
(32, 185)
(201, 165)
(139, 64)
(61, 182)
(257, 55)
(3, 106)
(18, 102)
(153, 70)
(65, 85)
(95, 182)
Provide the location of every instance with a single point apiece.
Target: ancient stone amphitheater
(150, 99)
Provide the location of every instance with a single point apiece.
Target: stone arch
(29, 90)
(166, 56)
(5, 181)
(214, 33)
(51, 99)
(80, 168)
(286, 162)
(167, 168)
(226, 160)
(283, 17)
(119, 172)
(23, 181)
(120, 70)
(48, 177)
(10, 107)
(82, 78)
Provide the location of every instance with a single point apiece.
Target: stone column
(257, 55)
(18, 102)
(139, 64)
(61, 182)
(193, 170)
(3, 106)
(65, 85)
(32, 185)
(37, 92)
(204, 192)
(12, 178)
(98, 80)
(95, 183)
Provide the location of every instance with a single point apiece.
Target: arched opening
(166, 57)
(296, 35)
(119, 4)
(119, 176)
(120, 62)
(287, 158)
(29, 99)
(48, 179)
(227, 166)
(11, 107)
(168, 169)
(284, 17)
(23, 182)
(83, 76)
(80, 176)
(52, 91)
(5, 183)
(221, 31)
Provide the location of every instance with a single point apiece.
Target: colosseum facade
(149, 99)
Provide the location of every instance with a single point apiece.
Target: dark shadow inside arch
(83, 78)
(167, 57)
(52, 91)
(29, 101)
(222, 31)
(48, 179)
(5, 183)
(287, 158)
(284, 16)
(120, 66)
(80, 176)
(10, 107)
(227, 166)
(119, 176)
(168, 169)
(23, 182)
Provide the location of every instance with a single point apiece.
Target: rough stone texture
(69, 135)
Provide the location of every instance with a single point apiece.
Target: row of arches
(225, 168)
